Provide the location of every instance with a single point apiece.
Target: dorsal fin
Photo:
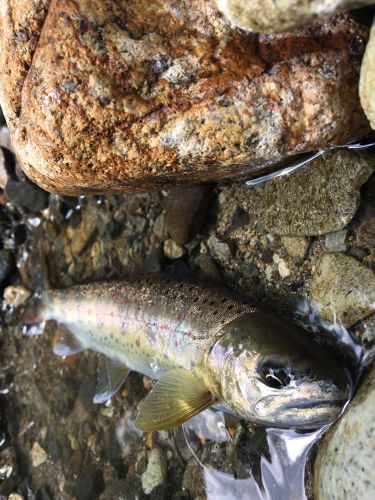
(176, 397)
(112, 375)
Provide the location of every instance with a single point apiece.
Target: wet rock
(345, 462)
(365, 234)
(89, 483)
(6, 265)
(38, 455)
(343, 289)
(156, 471)
(193, 480)
(367, 80)
(15, 496)
(15, 295)
(275, 17)
(83, 234)
(26, 195)
(220, 250)
(208, 268)
(336, 242)
(185, 212)
(124, 489)
(320, 198)
(296, 246)
(200, 101)
(173, 250)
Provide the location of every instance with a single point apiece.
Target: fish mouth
(318, 403)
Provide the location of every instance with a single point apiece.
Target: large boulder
(133, 94)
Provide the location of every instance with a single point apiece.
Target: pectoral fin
(67, 343)
(176, 397)
(112, 375)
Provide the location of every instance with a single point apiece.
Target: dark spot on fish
(138, 343)
(224, 300)
(215, 312)
(196, 299)
(212, 303)
(230, 307)
(238, 311)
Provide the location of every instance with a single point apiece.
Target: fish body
(206, 345)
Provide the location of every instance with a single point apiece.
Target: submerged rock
(156, 471)
(271, 17)
(346, 459)
(132, 101)
(320, 198)
(343, 289)
(367, 80)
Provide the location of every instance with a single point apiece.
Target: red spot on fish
(179, 317)
(189, 333)
(176, 344)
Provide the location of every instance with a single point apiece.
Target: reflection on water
(277, 474)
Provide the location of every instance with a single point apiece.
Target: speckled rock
(346, 460)
(272, 17)
(343, 289)
(136, 94)
(156, 471)
(367, 80)
(336, 241)
(320, 198)
(296, 246)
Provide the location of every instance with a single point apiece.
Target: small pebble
(38, 455)
(219, 249)
(336, 241)
(16, 295)
(172, 250)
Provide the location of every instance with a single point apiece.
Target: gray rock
(320, 198)
(336, 241)
(124, 489)
(156, 471)
(219, 249)
(346, 460)
(343, 289)
(6, 265)
(26, 195)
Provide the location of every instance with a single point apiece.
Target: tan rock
(38, 455)
(367, 80)
(272, 17)
(343, 289)
(346, 458)
(16, 295)
(137, 94)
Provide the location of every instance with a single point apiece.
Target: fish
(205, 346)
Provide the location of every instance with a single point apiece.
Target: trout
(204, 346)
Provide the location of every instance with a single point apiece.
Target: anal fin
(112, 375)
(178, 396)
(67, 343)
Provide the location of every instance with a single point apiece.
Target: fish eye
(273, 373)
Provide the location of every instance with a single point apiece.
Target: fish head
(276, 374)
